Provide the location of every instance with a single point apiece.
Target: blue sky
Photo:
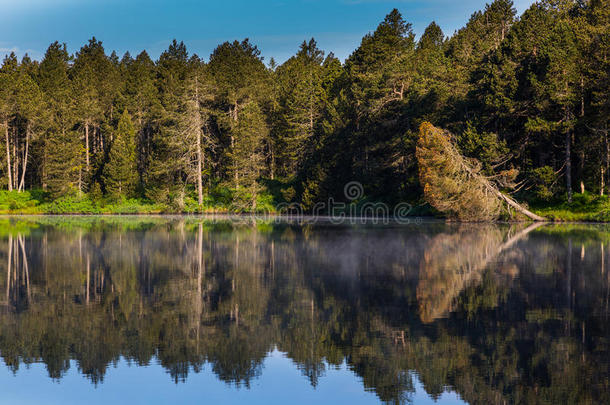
(280, 383)
(276, 26)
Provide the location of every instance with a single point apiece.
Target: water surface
(234, 310)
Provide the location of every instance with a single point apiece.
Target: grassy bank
(38, 202)
(583, 208)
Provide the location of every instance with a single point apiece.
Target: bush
(16, 202)
(72, 204)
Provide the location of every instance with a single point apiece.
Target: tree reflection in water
(500, 314)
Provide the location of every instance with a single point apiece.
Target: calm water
(190, 310)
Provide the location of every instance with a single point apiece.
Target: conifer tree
(240, 78)
(302, 105)
(247, 155)
(95, 82)
(62, 149)
(32, 113)
(166, 178)
(120, 173)
(140, 95)
(8, 78)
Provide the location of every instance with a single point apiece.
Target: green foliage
(120, 173)
(71, 204)
(15, 202)
(527, 96)
(545, 180)
(584, 207)
(483, 146)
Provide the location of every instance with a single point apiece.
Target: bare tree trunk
(15, 160)
(235, 118)
(272, 161)
(44, 164)
(9, 170)
(87, 146)
(199, 171)
(568, 165)
(607, 144)
(25, 158)
(80, 180)
(199, 151)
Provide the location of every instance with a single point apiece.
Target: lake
(241, 310)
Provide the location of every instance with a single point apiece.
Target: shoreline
(412, 220)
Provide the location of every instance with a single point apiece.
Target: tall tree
(62, 150)
(8, 90)
(301, 102)
(241, 78)
(167, 180)
(32, 113)
(120, 173)
(140, 95)
(195, 124)
(247, 155)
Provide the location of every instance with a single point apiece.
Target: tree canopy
(532, 89)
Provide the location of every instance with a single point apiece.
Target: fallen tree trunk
(455, 185)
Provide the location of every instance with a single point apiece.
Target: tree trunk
(519, 207)
(272, 168)
(15, 157)
(87, 146)
(9, 170)
(235, 118)
(44, 164)
(199, 171)
(199, 151)
(568, 165)
(607, 144)
(25, 158)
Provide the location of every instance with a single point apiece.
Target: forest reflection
(497, 313)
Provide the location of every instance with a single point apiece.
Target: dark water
(190, 310)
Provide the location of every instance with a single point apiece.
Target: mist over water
(182, 309)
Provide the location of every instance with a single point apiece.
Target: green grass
(39, 203)
(583, 208)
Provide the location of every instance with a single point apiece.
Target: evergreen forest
(526, 95)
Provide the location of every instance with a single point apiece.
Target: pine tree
(597, 71)
(140, 95)
(247, 155)
(88, 75)
(30, 107)
(194, 123)
(166, 178)
(301, 102)
(8, 106)
(240, 78)
(483, 33)
(120, 173)
(62, 150)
